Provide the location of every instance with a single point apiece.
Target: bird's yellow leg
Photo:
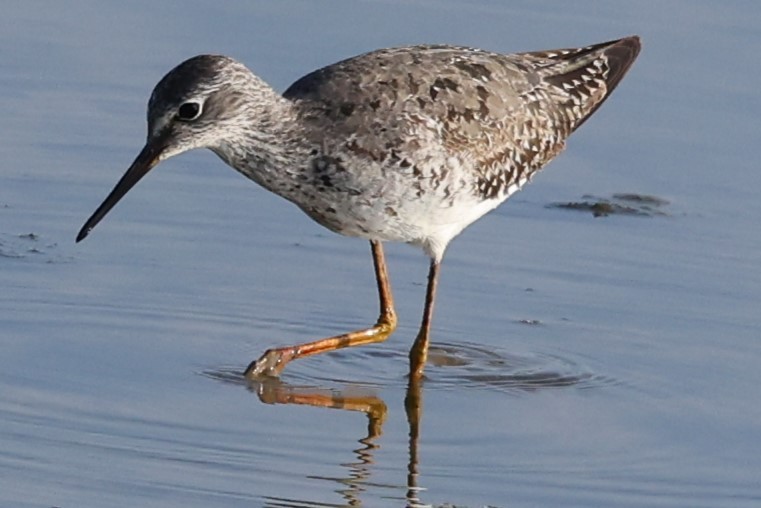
(419, 350)
(274, 360)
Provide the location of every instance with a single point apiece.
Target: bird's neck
(267, 149)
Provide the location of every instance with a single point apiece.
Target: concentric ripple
(467, 365)
(451, 366)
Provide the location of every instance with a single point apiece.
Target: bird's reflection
(276, 391)
(413, 406)
(466, 365)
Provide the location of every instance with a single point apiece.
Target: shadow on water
(463, 365)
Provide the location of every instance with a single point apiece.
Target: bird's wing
(505, 115)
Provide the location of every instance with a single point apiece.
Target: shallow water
(580, 360)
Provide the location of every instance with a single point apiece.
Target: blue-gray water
(585, 362)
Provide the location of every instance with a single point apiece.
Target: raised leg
(419, 351)
(273, 361)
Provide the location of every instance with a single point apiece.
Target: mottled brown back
(504, 115)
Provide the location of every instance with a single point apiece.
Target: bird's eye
(189, 111)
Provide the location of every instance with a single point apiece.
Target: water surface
(580, 360)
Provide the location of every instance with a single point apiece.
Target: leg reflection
(275, 391)
(413, 405)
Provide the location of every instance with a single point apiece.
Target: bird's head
(201, 103)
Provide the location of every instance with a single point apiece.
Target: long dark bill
(146, 160)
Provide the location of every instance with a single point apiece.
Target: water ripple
(451, 366)
(467, 365)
